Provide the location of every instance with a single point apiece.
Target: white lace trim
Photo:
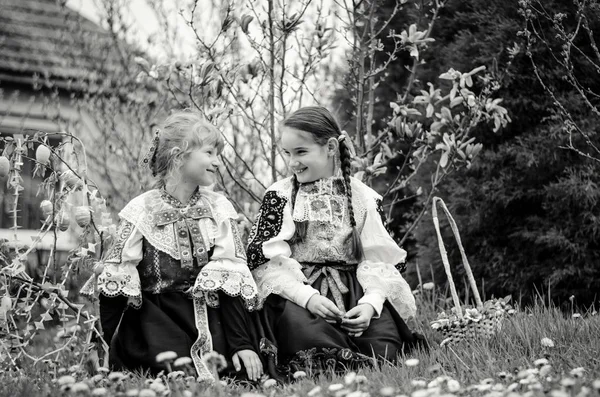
(116, 280)
(325, 204)
(140, 212)
(219, 275)
(384, 278)
(277, 275)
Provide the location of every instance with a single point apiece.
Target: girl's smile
(308, 160)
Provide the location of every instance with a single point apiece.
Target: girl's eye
(285, 153)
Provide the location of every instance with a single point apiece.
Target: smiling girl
(176, 278)
(323, 261)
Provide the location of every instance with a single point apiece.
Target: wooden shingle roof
(45, 38)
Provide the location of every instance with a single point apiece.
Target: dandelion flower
(387, 391)
(175, 374)
(568, 382)
(596, 384)
(214, 359)
(79, 387)
(181, 361)
(187, 393)
(132, 393)
(559, 393)
(428, 286)
(314, 391)
(102, 370)
(165, 356)
(540, 362)
(547, 342)
(146, 393)
(421, 393)
(267, 384)
(577, 372)
(74, 368)
(360, 379)
(545, 370)
(576, 315)
(418, 383)
(453, 386)
(99, 391)
(350, 378)
(412, 362)
(97, 378)
(299, 375)
(335, 387)
(158, 387)
(116, 376)
(66, 380)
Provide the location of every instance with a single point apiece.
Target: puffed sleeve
(227, 269)
(118, 274)
(377, 272)
(269, 253)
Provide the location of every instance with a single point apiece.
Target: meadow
(540, 351)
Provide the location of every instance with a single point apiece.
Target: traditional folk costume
(289, 273)
(173, 264)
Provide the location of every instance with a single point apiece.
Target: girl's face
(200, 166)
(308, 160)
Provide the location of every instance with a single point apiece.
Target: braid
(345, 156)
(300, 232)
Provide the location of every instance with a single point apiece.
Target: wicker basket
(483, 321)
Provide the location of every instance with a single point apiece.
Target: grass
(503, 366)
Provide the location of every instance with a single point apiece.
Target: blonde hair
(181, 132)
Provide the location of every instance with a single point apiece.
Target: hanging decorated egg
(82, 216)
(70, 179)
(64, 221)
(46, 207)
(42, 154)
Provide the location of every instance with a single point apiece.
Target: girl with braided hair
(176, 277)
(323, 261)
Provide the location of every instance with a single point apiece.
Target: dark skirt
(304, 341)
(165, 322)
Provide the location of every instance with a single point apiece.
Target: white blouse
(210, 222)
(323, 204)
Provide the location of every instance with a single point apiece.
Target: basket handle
(444, 255)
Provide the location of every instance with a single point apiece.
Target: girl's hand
(357, 320)
(323, 307)
(252, 363)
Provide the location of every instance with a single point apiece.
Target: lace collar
(175, 203)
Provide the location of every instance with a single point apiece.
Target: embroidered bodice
(277, 259)
(164, 245)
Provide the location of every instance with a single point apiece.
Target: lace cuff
(385, 279)
(281, 276)
(233, 279)
(116, 279)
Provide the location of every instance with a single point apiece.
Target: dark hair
(321, 124)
